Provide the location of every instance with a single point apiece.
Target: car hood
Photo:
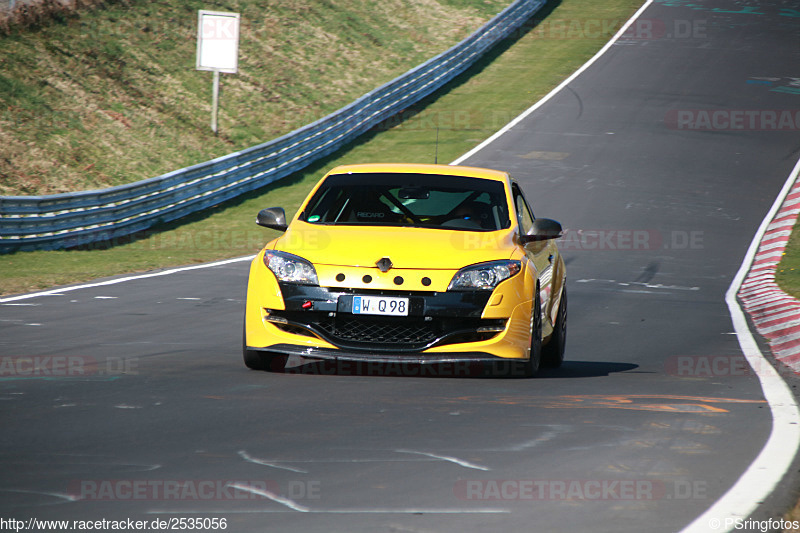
(406, 247)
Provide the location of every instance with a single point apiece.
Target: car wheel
(553, 353)
(532, 364)
(252, 359)
(256, 360)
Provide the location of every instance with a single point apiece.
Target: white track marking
(58, 292)
(555, 91)
(775, 459)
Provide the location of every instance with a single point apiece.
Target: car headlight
(290, 268)
(484, 276)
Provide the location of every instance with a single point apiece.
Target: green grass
(788, 273)
(514, 76)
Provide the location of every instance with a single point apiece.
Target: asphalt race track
(662, 158)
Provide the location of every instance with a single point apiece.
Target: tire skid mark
(459, 462)
(247, 457)
(294, 506)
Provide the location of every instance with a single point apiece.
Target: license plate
(380, 305)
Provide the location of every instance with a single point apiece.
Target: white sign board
(218, 41)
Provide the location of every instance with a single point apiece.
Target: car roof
(414, 168)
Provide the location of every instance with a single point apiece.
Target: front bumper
(451, 322)
(434, 319)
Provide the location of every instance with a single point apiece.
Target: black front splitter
(453, 364)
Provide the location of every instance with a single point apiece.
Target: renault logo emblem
(384, 264)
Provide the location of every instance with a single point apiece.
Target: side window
(524, 216)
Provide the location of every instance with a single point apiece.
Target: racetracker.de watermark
(715, 366)
(183, 239)
(733, 119)
(65, 366)
(578, 490)
(625, 240)
(192, 489)
(206, 523)
(583, 239)
(430, 369)
(644, 29)
(630, 240)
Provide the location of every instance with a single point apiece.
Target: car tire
(252, 358)
(531, 366)
(553, 352)
(258, 360)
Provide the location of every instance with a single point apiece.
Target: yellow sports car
(410, 264)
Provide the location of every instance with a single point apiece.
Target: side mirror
(543, 229)
(273, 218)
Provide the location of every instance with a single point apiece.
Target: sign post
(217, 49)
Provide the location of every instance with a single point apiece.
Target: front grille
(398, 334)
(375, 330)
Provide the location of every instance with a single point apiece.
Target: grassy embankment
(112, 96)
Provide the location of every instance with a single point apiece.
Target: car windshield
(418, 200)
